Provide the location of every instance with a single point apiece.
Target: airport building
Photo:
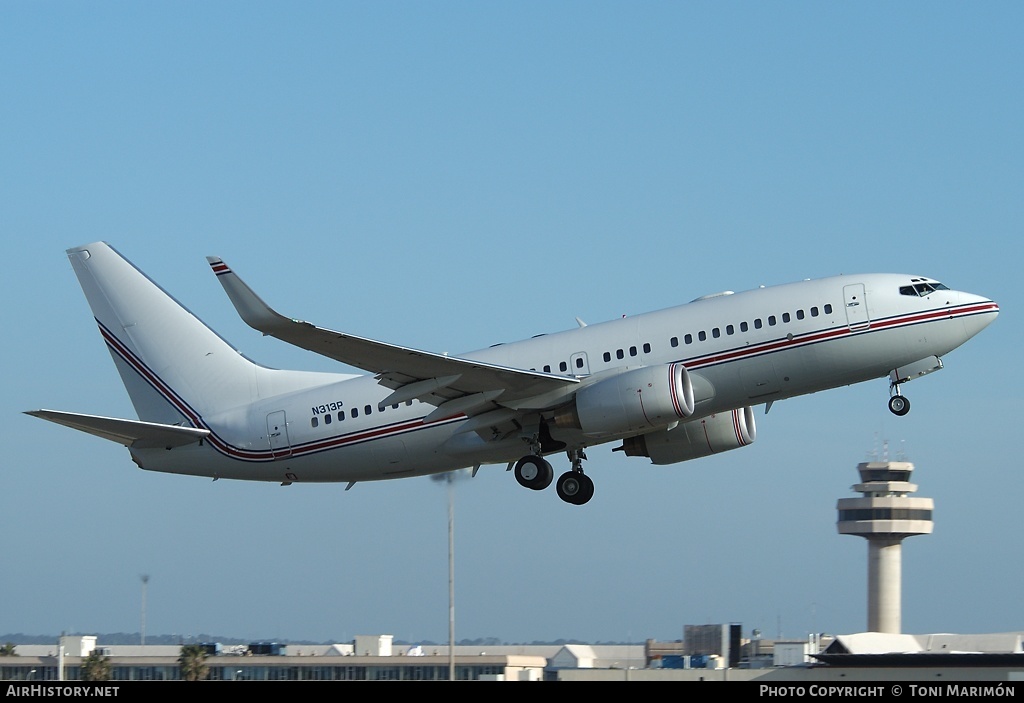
(869, 656)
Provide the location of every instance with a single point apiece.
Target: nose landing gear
(898, 403)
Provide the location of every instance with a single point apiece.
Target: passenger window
(562, 366)
(607, 356)
(674, 342)
(771, 320)
(547, 368)
(757, 323)
(716, 333)
(799, 314)
(743, 327)
(314, 421)
(367, 410)
(619, 354)
(827, 308)
(632, 351)
(327, 419)
(702, 335)
(688, 339)
(579, 362)
(341, 415)
(785, 317)
(355, 412)
(814, 311)
(729, 329)
(647, 348)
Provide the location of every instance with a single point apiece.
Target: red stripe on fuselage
(378, 432)
(844, 331)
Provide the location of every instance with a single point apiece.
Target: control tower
(885, 515)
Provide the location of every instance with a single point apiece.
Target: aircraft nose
(978, 312)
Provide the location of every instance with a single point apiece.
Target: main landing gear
(534, 472)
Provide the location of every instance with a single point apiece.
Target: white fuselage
(741, 349)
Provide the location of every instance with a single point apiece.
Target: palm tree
(192, 663)
(96, 667)
(8, 650)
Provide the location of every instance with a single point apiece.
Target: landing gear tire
(534, 472)
(575, 487)
(899, 405)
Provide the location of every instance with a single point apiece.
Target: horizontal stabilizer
(130, 433)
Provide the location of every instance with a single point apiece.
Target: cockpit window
(922, 289)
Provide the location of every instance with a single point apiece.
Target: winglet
(250, 306)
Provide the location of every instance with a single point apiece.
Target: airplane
(672, 385)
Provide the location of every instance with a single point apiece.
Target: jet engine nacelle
(636, 400)
(692, 440)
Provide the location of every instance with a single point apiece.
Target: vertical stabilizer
(174, 367)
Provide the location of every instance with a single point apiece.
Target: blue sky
(450, 175)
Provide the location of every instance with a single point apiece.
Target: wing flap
(130, 433)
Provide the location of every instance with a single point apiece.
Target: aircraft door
(856, 306)
(578, 364)
(277, 433)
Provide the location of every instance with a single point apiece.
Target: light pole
(142, 630)
(449, 478)
(451, 580)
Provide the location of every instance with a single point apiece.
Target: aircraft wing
(455, 384)
(130, 433)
